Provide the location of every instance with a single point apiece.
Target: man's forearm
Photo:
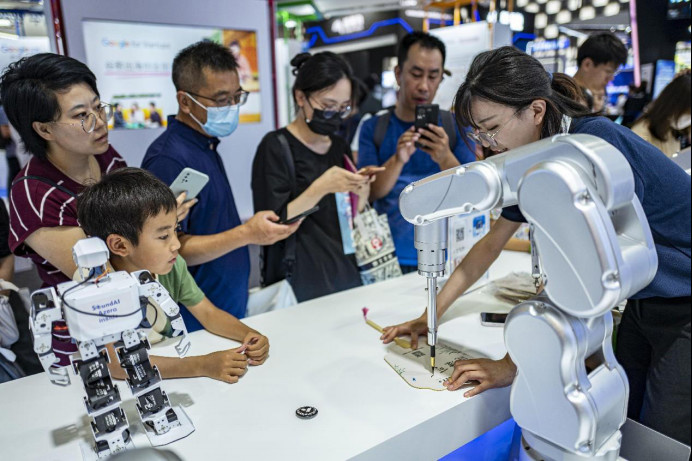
(385, 180)
(448, 162)
(200, 249)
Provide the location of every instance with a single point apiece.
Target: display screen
(132, 63)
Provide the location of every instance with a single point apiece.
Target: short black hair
(28, 89)
(320, 71)
(122, 202)
(189, 64)
(603, 48)
(425, 40)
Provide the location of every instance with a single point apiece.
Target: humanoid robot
(109, 307)
(595, 248)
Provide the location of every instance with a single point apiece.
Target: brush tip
(365, 312)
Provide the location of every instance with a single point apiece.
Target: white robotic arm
(595, 248)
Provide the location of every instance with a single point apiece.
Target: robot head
(90, 253)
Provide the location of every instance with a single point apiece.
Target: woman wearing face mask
(667, 119)
(323, 94)
(511, 101)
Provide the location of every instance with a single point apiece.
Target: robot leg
(163, 423)
(109, 424)
(565, 411)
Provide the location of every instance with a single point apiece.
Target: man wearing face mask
(213, 239)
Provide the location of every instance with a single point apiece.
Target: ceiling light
(563, 17)
(532, 8)
(611, 9)
(553, 7)
(587, 12)
(540, 21)
(5, 22)
(290, 24)
(551, 31)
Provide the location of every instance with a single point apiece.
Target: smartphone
(300, 216)
(190, 181)
(493, 319)
(425, 114)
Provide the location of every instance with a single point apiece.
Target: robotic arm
(596, 249)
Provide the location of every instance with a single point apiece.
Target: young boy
(135, 214)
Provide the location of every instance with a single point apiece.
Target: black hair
(28, 89)
(189, 64)
(122, 202)
(673, 102)
(603, 48)
(425, 40)
(319, 72)
(512, 78)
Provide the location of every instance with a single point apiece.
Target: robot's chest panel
(99, 309)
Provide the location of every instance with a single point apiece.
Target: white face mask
(682, 122)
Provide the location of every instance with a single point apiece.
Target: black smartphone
(425, 114)
(300, 216)
(493, 319)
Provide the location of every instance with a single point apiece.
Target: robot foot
(179, 426)
(90, 453)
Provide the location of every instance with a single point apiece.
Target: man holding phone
(407, 151)
(213, 240)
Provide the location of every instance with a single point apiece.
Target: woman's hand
(489, 373)
(337, 179)
(413, 328)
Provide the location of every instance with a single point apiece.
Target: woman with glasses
(302, 166)
(55, 106)
(510, 100)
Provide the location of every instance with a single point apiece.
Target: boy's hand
(184, 206)
(227, 366)
(256, 348)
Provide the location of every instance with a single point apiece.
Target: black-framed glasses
(88, 122)
(330, 112)
(237, 99)
(487, 139)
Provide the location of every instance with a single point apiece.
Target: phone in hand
(370, 170)
(300, 216)
(426, 114)
(190, 181)
(493, 319)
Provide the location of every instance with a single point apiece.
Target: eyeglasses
(488, 139)
(88, 122)
(330, 112)
(237, 99)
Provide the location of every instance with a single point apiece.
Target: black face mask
(319, 124)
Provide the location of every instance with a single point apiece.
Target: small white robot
(110, 307)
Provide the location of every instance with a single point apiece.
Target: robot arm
(578, 192)
(596, 249)
(152, 292)
(46, 309)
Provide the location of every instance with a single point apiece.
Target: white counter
(322, 354)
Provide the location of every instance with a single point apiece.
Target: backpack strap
(381, 127)
(289, 259)
(449, 125)
(47, 181)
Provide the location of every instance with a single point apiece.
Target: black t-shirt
(321, 267)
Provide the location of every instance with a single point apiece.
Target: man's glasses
(330, 112)
(88, 122)
(487, 139)
(237, 99)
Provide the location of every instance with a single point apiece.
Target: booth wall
(238, 150)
